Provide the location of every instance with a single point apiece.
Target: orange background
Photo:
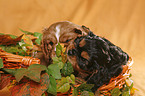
(121, 21)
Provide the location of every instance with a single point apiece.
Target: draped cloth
(120, 21)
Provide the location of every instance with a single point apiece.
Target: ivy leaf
(63, 85)
(1, 63)
(54, 70)
(115, 92)
(38, 41)
(28, 87)
(71, 79)
(126, 93)
(12, 36)
(67, 69)
(87, 93)
(1, 33)
(20, 73)
(85, 87)
(52, 86)
(27, 40)
(130, 75)
(12, 49)
(39, 37)
(33, 72)
(58, 60)
(60, 64)
(75, 92)
(59, 46)
(131, 86)
(26, 32)
(58, 50)
(37, 34)
(9, 71)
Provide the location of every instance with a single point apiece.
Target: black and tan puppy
(96, 59)
(62, 32)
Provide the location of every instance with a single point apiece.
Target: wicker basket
(12, 61)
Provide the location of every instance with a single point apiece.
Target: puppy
(96, 59)
(62, 32)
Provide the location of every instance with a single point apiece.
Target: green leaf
(38, 35)
(22, 44)
(63, 85)
(59, 46)
(130, 75)
(91, 94)
(58, 50)
(12, 49)
(60, 64)
(70, 80)
(56, 60)
(54, 70)
(1, 63)
(1, 33)
(67, 69)
(131, 86)
(52, 86)
(33, 72)
(125, 93)
(20, 73)
(87, 93)
(85, 87)
(75, 92)
(12, 36)
(10, 71)
(38, 41)
(115, 92)
(3, 47)
(26, 32)
(43, 94)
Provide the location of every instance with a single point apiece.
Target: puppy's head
(62, 32)
(88, 52)
(91, 53)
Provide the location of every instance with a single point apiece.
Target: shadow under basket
(12, 61)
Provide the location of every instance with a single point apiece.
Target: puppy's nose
(71, 52)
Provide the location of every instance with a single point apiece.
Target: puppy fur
(62, 32)
(97, 57)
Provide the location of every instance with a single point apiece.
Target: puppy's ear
(85, 27)
(91, 34)
(77, 31)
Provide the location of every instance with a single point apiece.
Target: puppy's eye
(83, 59)
(67, 40)
(77, 31)
(51, 43)
(71, 52)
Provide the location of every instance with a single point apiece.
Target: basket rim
(120, 78)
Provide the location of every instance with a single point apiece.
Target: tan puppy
(62, 32)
